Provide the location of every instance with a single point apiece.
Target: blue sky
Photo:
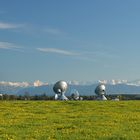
(82, 40)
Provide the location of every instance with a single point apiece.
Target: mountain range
(84, 88)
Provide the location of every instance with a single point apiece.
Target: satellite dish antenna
(60, 88)
(75, 94)
(100, 91)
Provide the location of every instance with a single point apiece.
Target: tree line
(44, 96)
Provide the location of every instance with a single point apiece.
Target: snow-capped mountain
(84, 88)
(115, 82)
(12, 87)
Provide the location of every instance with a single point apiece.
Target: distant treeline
(27, 96)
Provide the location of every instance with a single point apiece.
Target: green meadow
(69, 120)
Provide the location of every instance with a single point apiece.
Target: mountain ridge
(84, 88)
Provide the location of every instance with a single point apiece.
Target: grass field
(71, 120)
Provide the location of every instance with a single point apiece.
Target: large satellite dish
(100, 91)
(60, 88)
(75, 95)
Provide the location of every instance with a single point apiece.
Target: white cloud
(9, 46)
(91, 56)
(6, 45)
(87, 56)
(57, 51)
(9, 25)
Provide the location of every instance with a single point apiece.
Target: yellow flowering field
(69, 120)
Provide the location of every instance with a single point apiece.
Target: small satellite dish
(75, 95)
(60, 88)
(100, 91)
